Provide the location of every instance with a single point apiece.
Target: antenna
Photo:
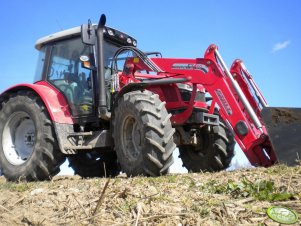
(58, 24)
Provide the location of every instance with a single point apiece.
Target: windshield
(109, 51)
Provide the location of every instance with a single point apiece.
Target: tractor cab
(71, 66)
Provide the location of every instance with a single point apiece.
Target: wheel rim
(131, 138)
(18, 138)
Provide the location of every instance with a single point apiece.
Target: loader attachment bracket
(284, 129)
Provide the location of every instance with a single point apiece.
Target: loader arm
(237, 106)
(247, 83)
(257, 128)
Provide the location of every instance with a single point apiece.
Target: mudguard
(284, 130)
(54, 101)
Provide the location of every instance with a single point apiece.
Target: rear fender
(53, 100)
(55, 103)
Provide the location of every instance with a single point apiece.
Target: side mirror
(88, 34)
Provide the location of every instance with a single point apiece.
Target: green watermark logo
(282, 215)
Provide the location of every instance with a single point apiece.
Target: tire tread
(158, 144)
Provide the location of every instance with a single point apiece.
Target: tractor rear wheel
(95, 164)
(28, 146)
(214, 153)
(143, 134)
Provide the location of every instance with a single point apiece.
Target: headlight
(110, 32)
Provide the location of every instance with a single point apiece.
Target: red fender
(54, 101)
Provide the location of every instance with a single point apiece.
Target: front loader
(109, 107)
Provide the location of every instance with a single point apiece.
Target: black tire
(94, 164)
(28, 146)
(214, 153)
(143, 134)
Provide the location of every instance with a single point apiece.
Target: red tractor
(107, 106)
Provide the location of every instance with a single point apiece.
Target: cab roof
(74, 32)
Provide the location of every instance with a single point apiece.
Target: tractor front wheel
(28, 145)
(143, 134)
(213, 153)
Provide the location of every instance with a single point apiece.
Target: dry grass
(225, 198)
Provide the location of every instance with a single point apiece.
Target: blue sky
(266, 35)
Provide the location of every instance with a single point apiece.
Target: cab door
(66, 73)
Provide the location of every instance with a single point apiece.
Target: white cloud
(280, 45)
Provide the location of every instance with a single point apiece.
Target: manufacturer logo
(224, 101)
(200, 67)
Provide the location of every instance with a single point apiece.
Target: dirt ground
(226, 198)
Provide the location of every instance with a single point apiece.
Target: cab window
(40, 64)
(67, 74)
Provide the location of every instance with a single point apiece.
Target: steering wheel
(51, 72)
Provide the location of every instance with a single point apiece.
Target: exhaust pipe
(102, 101)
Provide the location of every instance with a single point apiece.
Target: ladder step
(78, 147)
(81, 134)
